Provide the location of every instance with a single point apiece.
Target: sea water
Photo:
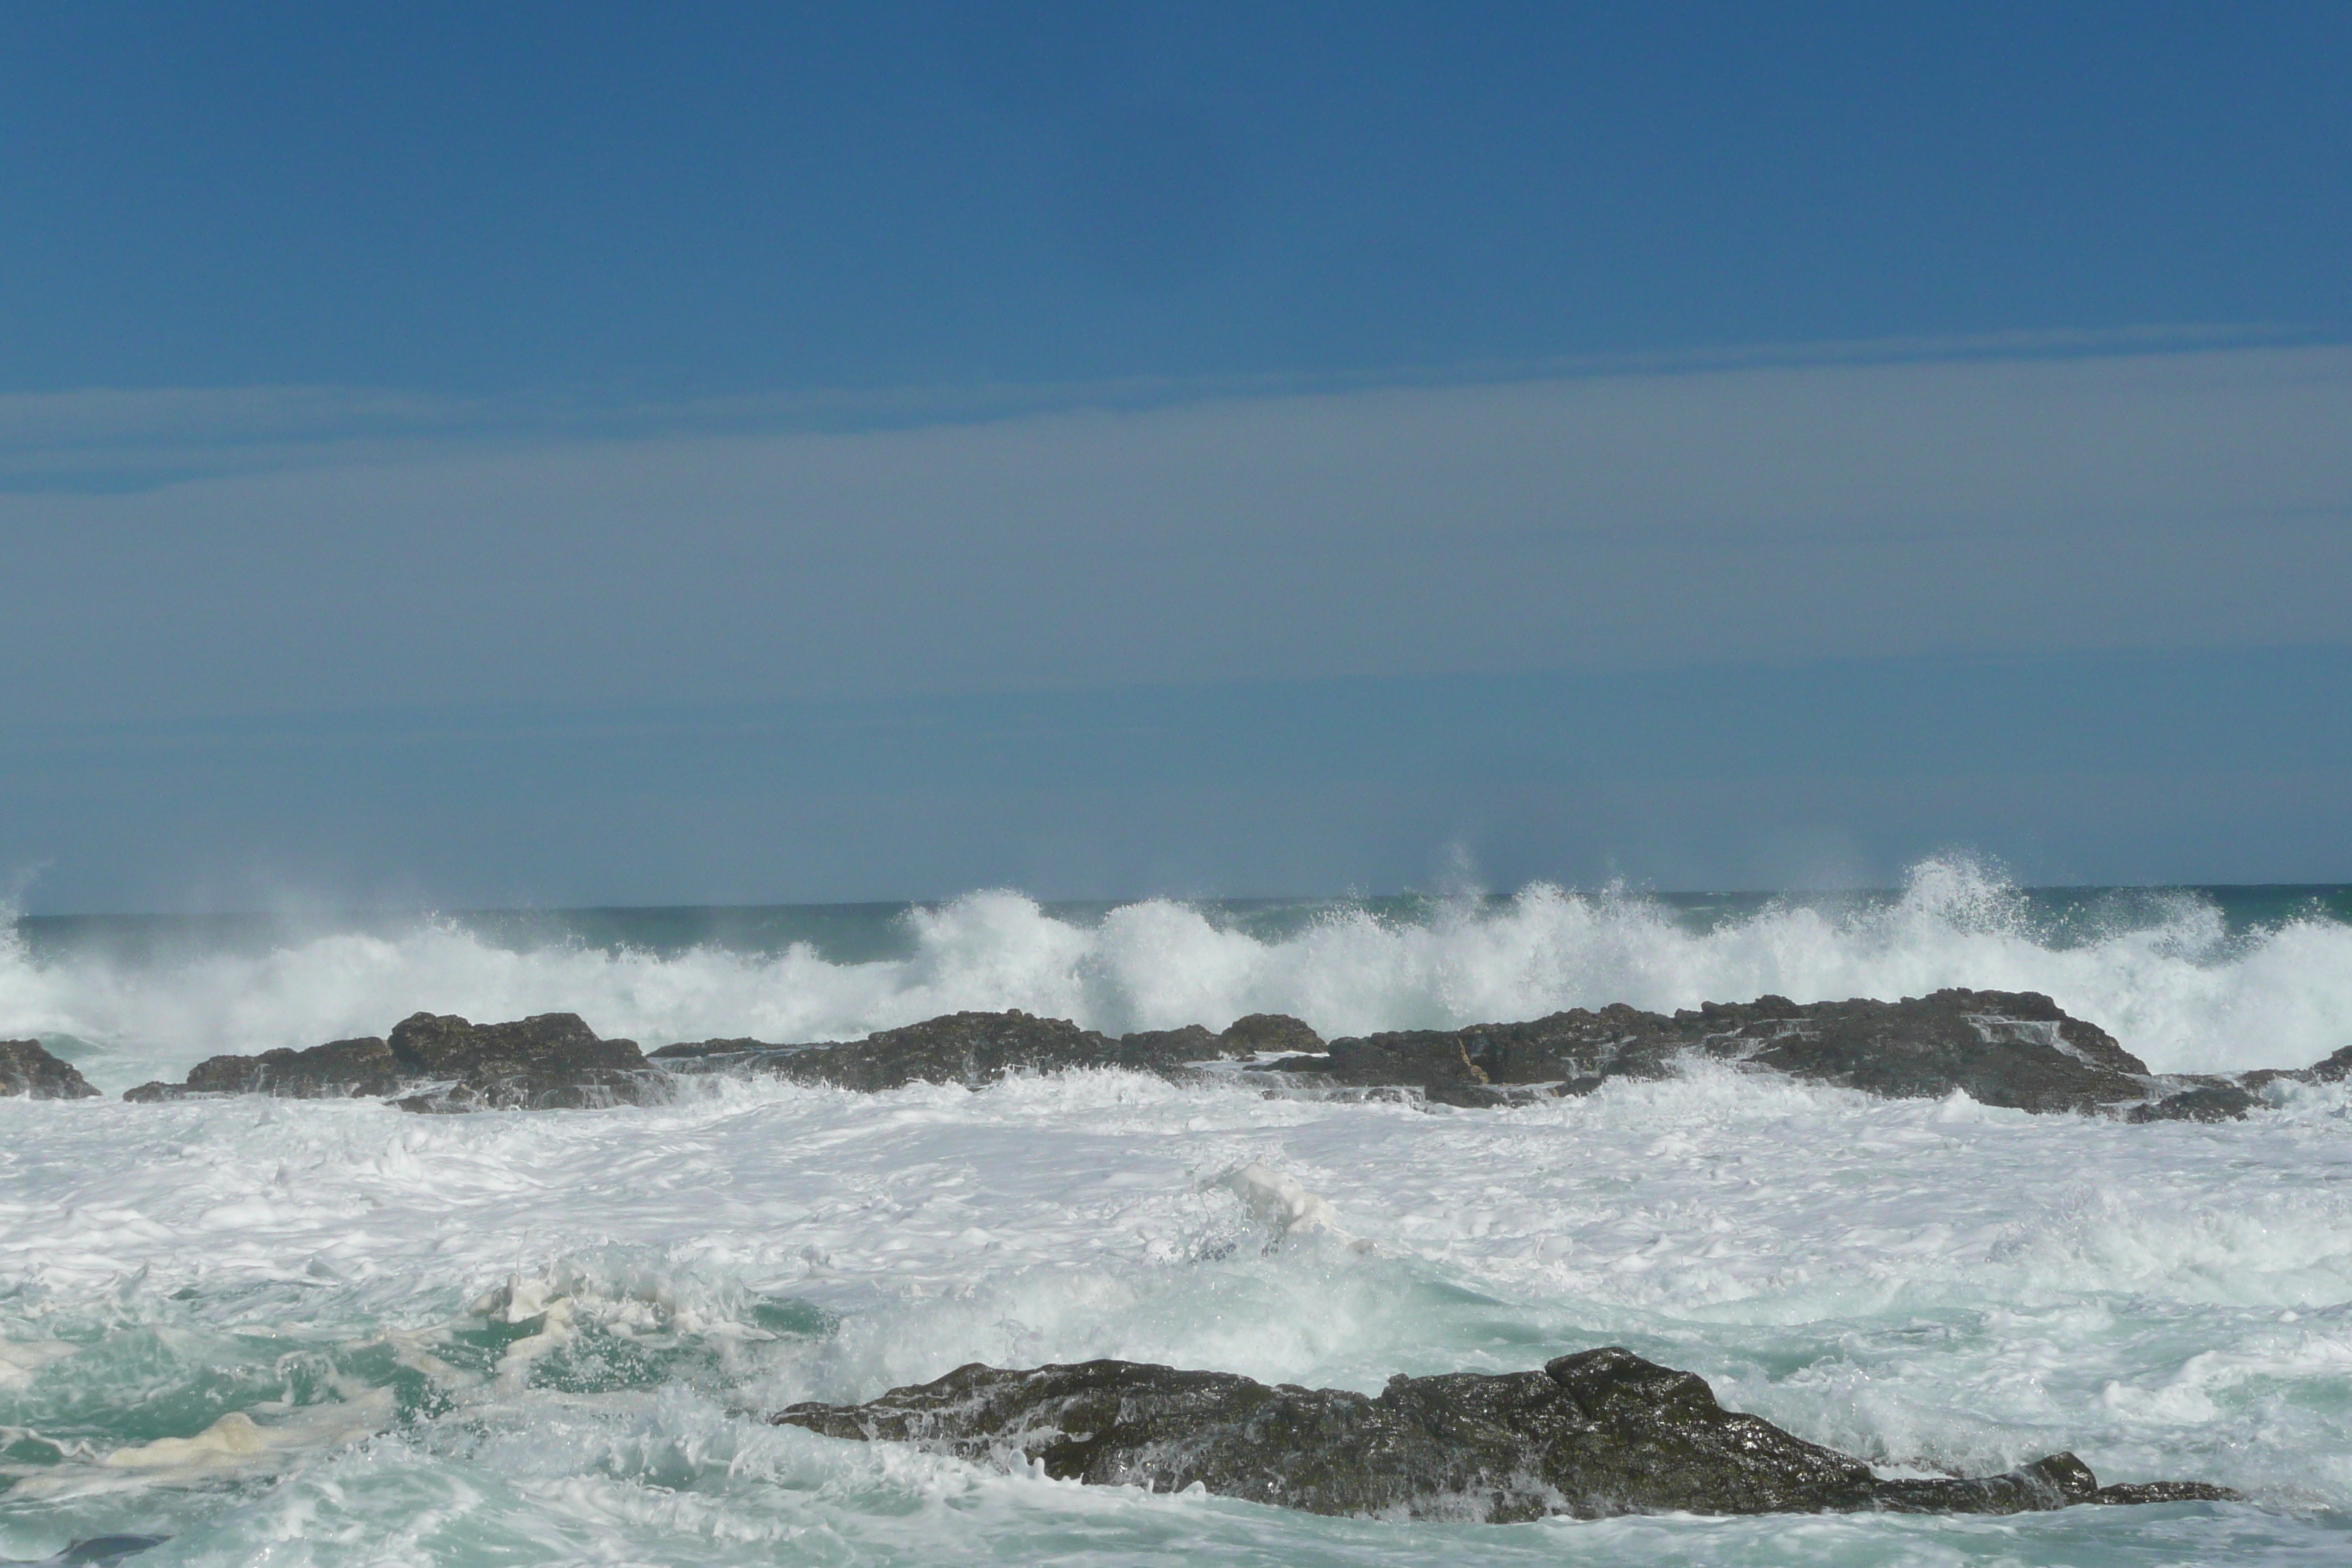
(329, 1333)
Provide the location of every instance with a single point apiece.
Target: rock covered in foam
(2017, 1049)
(976, 1049)
(1602, 1432)
(27, 1069)
(443, 1063)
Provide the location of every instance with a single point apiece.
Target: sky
(617, 454)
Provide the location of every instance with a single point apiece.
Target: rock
(974, 1050)
(1599, 1433)
(443, 1064)
(2006, 1048)
(1258, 1033)
(2211, 1101)
(98, 1552)
(2334, 1068)
(340, 1069)
(687, 1052)
(1192, 1043)
(27, 1069)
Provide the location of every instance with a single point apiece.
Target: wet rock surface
(443, 1063)
(979, 1048)
(1599, 1433)
(2007, 1049)
(27, 1069)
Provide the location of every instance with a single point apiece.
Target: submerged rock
(976, 1049)
(2007, 1049)
(98, 1552)
(443, 1063)
(2205, 1100)
(27, 1069)
(1599, 1433)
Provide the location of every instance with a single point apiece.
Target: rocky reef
(2017, 1049)
(2009, 1049)
(1599, 1433)
(978, 1048)
(443, 1063)
(27, 1069)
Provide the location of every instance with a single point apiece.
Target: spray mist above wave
(2165, 976)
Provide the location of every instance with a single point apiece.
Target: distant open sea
(289, 1331)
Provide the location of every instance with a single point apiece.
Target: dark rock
(2335, 1069)
(27, 1069)
(2208, 1101)
(688, 1051)
(970, 1048)
(2007, 1048)
(974, 1050)
(340, 1069)
(549, 1061)
(1192, 1043)
(1257, 1033)
(1599, 1433)
(2163, 1491)
(443, 1064)
(98, 1552)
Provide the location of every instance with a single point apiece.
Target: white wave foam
(234, 1447)
(2171, 985)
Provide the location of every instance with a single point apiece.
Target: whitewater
(329, 1333)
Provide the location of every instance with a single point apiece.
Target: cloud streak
(1778, 513)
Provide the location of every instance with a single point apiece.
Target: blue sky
(601, 453)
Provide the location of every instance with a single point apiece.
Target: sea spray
(2162, 973)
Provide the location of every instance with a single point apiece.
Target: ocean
(329, 1333)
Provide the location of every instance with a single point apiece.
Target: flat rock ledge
(2016, 1050)
(1599, 1433)
(443, 1064)
(27, 1069)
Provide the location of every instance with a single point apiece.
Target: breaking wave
(2163, 973)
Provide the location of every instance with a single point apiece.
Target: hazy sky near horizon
(612, 454)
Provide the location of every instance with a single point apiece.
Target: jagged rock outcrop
(2333, 1068)
(443, 1063)
(979, 1048)
(2007, 1048)
(27, 1069)
(2018, 1049)
(1602, 1432)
